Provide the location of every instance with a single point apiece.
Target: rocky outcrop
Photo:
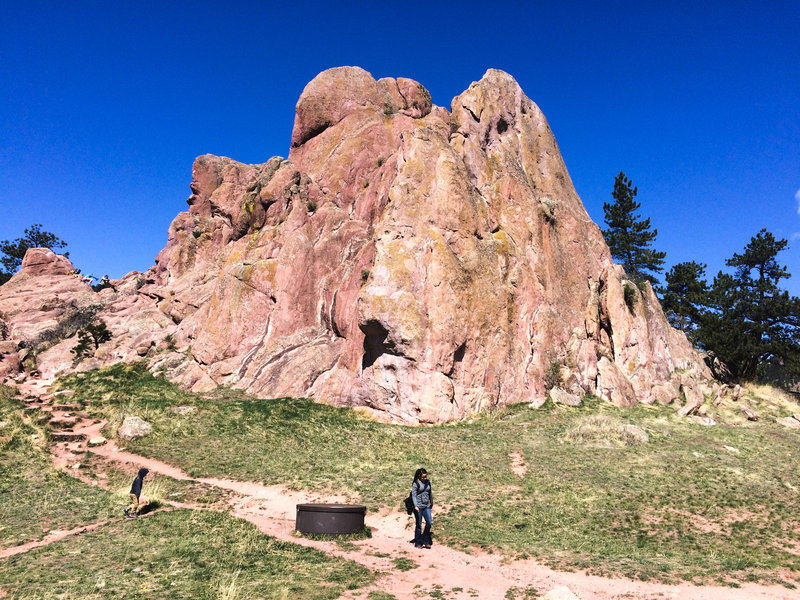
(421, 263)
(43, 306)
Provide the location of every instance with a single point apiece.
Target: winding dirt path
(453, 574)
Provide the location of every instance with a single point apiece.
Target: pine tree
(685, 295)
(628, 235)
(749, 321)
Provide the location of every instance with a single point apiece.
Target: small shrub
(548, 207)
(364, 276)
(629, 292)
(381, 596)
(605, 431)
(312, 206)
(170, 341)
(552, 376)
(91, 335)
(197, 233)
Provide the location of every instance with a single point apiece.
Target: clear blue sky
(104, 105)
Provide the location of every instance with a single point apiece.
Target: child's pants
(134, 507)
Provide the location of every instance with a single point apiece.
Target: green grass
(381, 596)
(35, 498)
(344, 539)
(404, 564)
(528, 593)
(179, 554)
(679, 507)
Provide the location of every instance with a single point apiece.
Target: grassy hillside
(692, 503)
(178, 554)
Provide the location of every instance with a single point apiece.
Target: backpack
(409, 504)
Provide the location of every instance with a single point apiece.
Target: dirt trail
(453, 574)
(51, 537)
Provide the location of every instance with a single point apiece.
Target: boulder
(633, 435)
(694, 399)
(44, 262)
(133, 428)
(10, 361)
(559, 396)
(719, 369)
(789, 422)
(561, 593)
(749, 413)
(707, 421)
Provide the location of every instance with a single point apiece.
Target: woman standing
(422, 495)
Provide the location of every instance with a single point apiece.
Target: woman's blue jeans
(422, 537)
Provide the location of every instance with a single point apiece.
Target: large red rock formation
(419, 262)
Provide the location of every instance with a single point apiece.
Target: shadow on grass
(151, 507)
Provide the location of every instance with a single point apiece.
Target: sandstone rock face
(419, 262)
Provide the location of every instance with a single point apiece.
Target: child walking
(132, 511)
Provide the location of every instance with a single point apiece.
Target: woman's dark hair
(418, 473)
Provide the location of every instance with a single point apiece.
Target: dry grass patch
(768, 403)
(771, 399)
(606, 432)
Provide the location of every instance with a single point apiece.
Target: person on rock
(132, 511)
(422, 496)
